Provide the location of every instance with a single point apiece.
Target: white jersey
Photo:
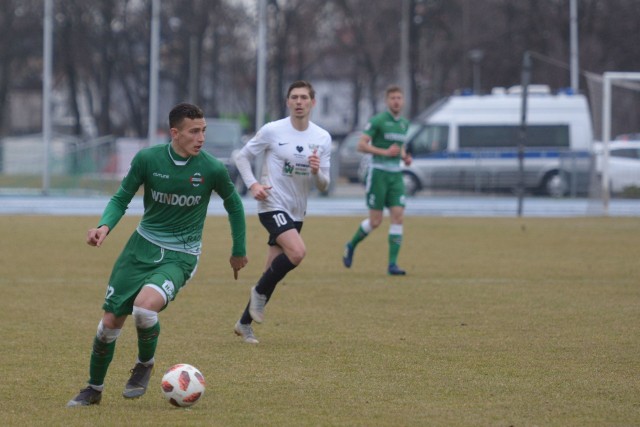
(286, 164)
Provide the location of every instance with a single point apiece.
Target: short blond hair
(391, 89)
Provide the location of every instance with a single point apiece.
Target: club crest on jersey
(196, 179)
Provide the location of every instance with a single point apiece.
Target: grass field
(500, 322)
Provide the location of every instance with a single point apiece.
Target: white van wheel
(411, 183)
(556, 184)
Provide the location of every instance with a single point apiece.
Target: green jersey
(176, 197)
(385, 130)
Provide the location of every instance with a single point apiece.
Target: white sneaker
(246, 332)
(256, 305)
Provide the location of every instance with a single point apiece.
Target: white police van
(471, 143)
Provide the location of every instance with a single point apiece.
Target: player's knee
(107, 335)
(375, 223)
(397, 219)
(297, 256)
(144, 318)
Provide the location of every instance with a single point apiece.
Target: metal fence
(95, 167)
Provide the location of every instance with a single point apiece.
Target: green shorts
(143, 263)
(384, 189)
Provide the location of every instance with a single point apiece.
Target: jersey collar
(176, 158)
(392, 117)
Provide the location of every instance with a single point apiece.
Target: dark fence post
(526, 79)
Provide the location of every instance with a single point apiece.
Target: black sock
(279, 268)
(246, 318)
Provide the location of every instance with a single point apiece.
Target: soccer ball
(183, 385)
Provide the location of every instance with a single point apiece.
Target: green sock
(101, 357)
(147, 342)
(358, 237)
(395, 241)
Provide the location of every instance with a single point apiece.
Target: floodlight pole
(262, 71)
(46, 95)
(153, 71)
(405, 71)
(606, 136)
(575, 82)
(261, 63)
(193, 69)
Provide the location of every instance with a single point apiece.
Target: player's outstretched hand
(95, 236)
(237, 263)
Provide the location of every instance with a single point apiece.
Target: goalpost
(609, 78)
(615, 110)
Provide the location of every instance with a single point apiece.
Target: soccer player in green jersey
(163, 253)
(384, 139)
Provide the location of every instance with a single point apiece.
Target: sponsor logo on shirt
(161, 175)
(299, 165)
(391, 136)
(175, 199)
(287, 169)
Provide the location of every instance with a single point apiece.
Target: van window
(509, 136)
(429, 139)
(629, 153)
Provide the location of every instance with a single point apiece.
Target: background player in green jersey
(163, 252)
(384, 139)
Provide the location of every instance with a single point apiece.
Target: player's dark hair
(302, 83)
(183, 111)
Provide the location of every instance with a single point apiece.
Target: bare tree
(6, 55)
(20, 51)
(370, 40)
(101, 56)
(207, 54)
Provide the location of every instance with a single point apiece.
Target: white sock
(366, 226)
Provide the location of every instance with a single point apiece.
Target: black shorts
(276, 223)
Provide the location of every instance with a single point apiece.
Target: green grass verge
(499, 322)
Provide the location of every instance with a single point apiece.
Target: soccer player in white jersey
(297, 157)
